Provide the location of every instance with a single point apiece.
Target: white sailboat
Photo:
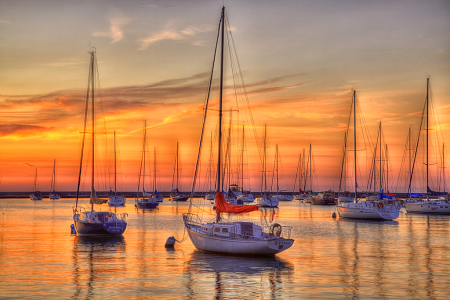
(53, 195)
(114, 199)
(91, 222)
(231, 237)
(144, 199)
(427, 206)
(365, 210)
(36, 195)
(278, 195)
(266, 200)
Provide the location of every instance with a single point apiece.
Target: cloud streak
(115, 32)
(174, 35)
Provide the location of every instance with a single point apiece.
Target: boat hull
(229, 245)
(180, 198)
(428, 208)
(371, 213)
(89, 227)
(146, 204)
(282, 198)
(117, 201)
(267, 201)
(319, 201)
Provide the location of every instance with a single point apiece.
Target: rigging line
(84, 132)
(417, 145)
(204, 117)
(250, 114)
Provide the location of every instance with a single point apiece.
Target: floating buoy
(170, 243)
(212, 202)
(72, 229)
(334, 215)
(214, 207)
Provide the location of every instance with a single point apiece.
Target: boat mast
(115, 166)
(143, 166)
(276, 157)
(176, 166)
(343, 162)
(354, 141)
(387, 169)
(242, 158)
(220, 106)
(443, 164)
(35, 181)
(93, 125)
(154, 169)
(381, 177)
(428, 82)
(409, 151)
(54, 175)
(310, 163)
(304, 170)
(210, 163)
(264, 160)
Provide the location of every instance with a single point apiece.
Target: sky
(300, 61)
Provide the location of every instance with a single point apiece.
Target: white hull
(267, 201)
(35, 197)
(54, 197)
(210, 197)
(368, 211)
(431, 207)
(117, 200)
(236, 245)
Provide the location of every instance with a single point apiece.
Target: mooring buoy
(170, 243)
(334, 215)
(72, 229)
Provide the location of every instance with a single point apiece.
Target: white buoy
(170, 243)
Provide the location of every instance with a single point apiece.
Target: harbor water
(331, 258)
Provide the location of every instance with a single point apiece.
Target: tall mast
(93, 127)
(154, 169)
(115, 166)
(428, 83)
(387, 170)
(354, 141)
(35, 181)
(242, 158)
(343, 162)
(210, 163)
(381, 177)
(410, 172)
(310, 163)
(443, 164)
(220, 106)
(144, 146)
(276, 157)
(304, 170)
(176, 165)
(264, 161)
(54, 175)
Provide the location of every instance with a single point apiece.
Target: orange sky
(298, 79)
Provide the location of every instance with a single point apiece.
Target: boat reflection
(361, 221)
(236, 276)
(96, 259)
(144, 210)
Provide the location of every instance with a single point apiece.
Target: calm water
(337, 259)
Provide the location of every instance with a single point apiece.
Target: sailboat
(231, 237)
(156, 196)
(427, 206)
(345, 195)
(114, 199)
(278, 195)
(53, 195)
(175, 194)
(91, 222)
(365, 210)
(266, 200)
(36, 195)
(144, 200)
(301, 175)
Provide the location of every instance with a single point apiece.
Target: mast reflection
(95, 259)
(236, 276)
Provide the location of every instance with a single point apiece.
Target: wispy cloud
(115, 29)
(4, 22)
(171, 34)
(67, 64)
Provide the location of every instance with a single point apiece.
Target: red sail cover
(222, 206)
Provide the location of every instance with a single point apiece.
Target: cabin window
(217, 229)
(225, 230)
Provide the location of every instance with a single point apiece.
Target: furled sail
(222, 206)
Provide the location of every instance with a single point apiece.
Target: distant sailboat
(231, 237)
(90, 222)
(175, 194)
(365, 210)
(156, 196)
(114, 199)
(53, 195)
(266, 200)
(427, 206)
(36, 195)
(144, 200)
(278, 195)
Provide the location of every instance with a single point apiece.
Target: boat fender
(72, 229)
(170, 243)
(380, 205)
(333, 215)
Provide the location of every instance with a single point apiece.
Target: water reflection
(95, 261)
(236, 277)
